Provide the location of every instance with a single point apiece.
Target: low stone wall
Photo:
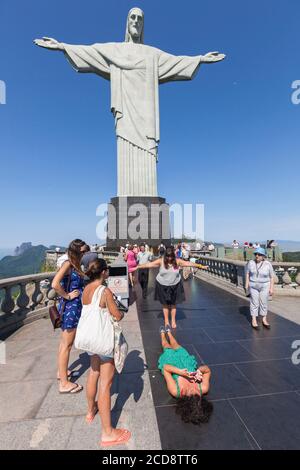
(231, 274)
(24, 299)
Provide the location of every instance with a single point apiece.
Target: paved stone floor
(34, 416)
(255, 387)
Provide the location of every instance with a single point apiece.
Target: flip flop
(73, 390)
(122, 439)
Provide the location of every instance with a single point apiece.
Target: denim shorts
(102, 358)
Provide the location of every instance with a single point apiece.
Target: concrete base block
(127, 214)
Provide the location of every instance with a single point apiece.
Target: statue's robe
(135, 72)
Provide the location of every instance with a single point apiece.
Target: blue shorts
(102, 358)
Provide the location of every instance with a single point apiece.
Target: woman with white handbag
(96, 335)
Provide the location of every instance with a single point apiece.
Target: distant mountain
(288, 245)
(291, 257)
(6, 252)
(22, 248)
(29, 262)
(284, 245)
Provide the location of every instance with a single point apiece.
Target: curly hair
(194, 409)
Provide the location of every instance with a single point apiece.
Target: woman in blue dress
(69, 283)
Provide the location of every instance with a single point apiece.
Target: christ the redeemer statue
(135, 72)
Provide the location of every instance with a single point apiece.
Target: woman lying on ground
(169, 286)
(185, 380)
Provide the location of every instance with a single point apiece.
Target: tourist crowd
(90, 316)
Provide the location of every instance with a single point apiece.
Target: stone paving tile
(35, 330)
(84, 436)
(55, 404)
(36, 434)
(222, 353)
(16, 369)
(131, 392)
(273, 420)
(228, 333)
(13, 348)
(20, 408)
(227, 382)
(268, 348)
(272, 376)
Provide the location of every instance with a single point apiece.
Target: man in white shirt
(143, 257)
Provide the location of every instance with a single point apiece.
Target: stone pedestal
(138, 219)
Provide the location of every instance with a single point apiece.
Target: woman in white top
(169, 287)
(260, 283)
(102, 368)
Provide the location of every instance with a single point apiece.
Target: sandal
(78, 388)
(122, 439)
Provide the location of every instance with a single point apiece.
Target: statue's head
(135, 26)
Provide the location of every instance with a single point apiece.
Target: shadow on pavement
(127, 384)
(245, 311)
(83, 362)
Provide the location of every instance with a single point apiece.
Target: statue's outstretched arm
(175, 68)
(49, 43)
(211, 57)
(87, 59)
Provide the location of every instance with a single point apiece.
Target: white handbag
(95, 330)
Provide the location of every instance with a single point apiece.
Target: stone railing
(23, 299)
(109, 256)
(27, 298)
(231, 273)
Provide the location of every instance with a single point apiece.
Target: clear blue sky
(229, 138)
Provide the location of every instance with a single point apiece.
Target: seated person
(185, 380)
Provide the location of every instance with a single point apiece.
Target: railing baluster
(8, 303)
(22, 299)
(37, 295)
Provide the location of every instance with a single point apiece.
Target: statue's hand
(212, 57)
(49, 43)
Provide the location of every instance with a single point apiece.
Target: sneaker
(162, 330)
(167, 328)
